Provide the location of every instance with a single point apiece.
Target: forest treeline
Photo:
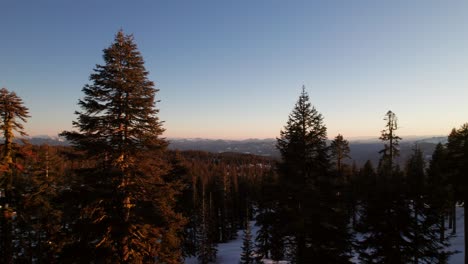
(118, 195)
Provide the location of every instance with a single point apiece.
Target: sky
(234, 69)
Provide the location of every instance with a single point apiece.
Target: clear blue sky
(234, 69)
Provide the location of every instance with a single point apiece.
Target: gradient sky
(234, 69)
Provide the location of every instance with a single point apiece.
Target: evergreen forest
(117, 194)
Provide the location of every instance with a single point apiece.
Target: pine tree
(13, 113)
(363, 182)
(263, 243)
(385, 216)
(302, 143)
(206, 247)
(424, 229)
(269, 240)
(457, 151)
(39, 221)
(317, 219)
(224, 198)
(119, 128)
(247, 246)
(438, 197)
(415, 178)
(391, 145)
(438, 186)
(339, 148)
(453, 154)
(339, 151)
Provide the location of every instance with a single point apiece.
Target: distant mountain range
(262, 147)
(361, 150)
(41, 140)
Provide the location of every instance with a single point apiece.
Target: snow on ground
(230, 252)
(458, 241)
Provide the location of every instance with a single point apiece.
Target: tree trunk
(465, 211)
(6, 249)
(450, 216)
(416, 232)
(300, 253)
(454, 218)
(442, 228)
(5, 218)
(339, 164)
(354, 214)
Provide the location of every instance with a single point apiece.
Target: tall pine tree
(247, 245)
(457, 151)
(438, 187)
(391, 151)
(118, 127)
(205, 245)
(385, 216)
(13, 113)
(339, 148)
(424, 229)
(316, 218)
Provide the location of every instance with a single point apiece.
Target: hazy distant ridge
(361, 149)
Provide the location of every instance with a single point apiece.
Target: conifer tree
(302, 143)
(365, 181)
(457, 151)
(269, 240)
(118, 127)
(425, 246)
(391, 144)
(385, 216)
(416, 181)
(247, 246)
(206, 247)
(453, 154)
(339, 148)
(339, 151)
(316, 218)
(13, 113)
(438, 186)
(224, 198)
(40, 219)
(367, 173)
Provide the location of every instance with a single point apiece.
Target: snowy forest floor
(457, 243)
(230, 252)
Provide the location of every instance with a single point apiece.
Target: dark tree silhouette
(339, 149)
(247, 246)
(457, 151)
(391, 144)
(385, 216)
(424, 229)
(206, 247)
(316, 218)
